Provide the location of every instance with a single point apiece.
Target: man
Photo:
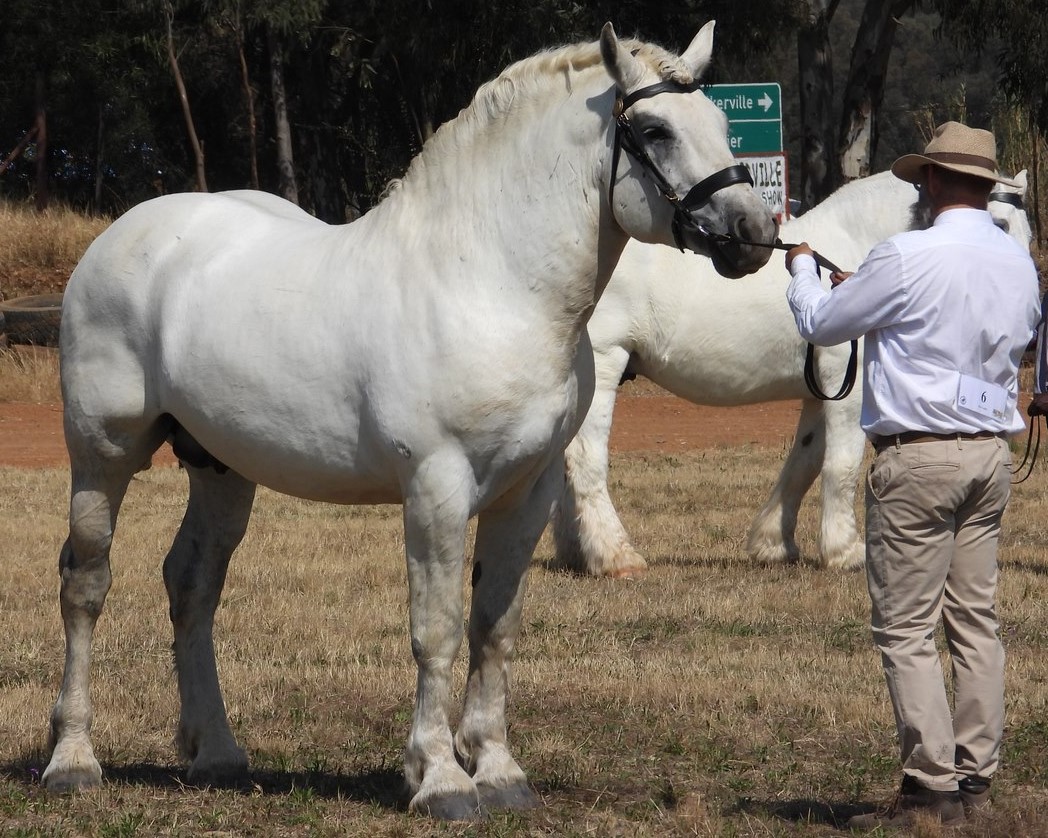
(946, 313)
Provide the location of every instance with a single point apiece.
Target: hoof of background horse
(628, 572)
(764, 553)
(854, 559)
(460, 806)
(517, 796)
(230, 774)
(80, 778)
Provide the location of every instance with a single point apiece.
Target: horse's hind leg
(98, 484)
(590, 538)
(194, 574)
(840, 543)
(773, 532)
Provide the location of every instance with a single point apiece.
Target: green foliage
(1021, 51)
(368, 81)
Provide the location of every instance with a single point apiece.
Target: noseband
(683, 208)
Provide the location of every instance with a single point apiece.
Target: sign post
(754, 114)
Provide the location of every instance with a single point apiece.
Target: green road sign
(754, 115)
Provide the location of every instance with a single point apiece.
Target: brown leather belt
(907, 437)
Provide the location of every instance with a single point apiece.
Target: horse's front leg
(436, 513)
(589, 536)
(505, 543)
(772, 536)
(194, 574)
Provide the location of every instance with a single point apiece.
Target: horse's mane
(519, 83)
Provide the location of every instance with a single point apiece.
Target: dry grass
(29, 374)
(39, 250)
(711, 698)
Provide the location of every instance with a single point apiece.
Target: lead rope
(1033, 439)
(810, 377)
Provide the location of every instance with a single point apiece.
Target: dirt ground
(646, 419)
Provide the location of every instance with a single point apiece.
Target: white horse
(433, 354)
(668, 317)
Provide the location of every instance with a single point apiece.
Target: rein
(1033, 439)
(810, 378)
(626, 138)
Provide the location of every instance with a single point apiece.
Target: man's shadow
(805, 811)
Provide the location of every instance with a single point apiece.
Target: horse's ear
(621, 65)
(1021, 180)
(700, 51)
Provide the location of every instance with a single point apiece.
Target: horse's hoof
(80, 778)
(629, 573)
(461, 806)
(517, 796)
(225, 775)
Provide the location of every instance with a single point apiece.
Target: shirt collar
(963, 215)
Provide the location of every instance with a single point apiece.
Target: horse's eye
(1000, 222)
(656, 134)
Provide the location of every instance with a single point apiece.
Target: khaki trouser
(933, 517)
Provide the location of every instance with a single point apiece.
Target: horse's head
(672, 178)
(1006, 207)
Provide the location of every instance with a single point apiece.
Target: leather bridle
(684, 208)
(700, 194)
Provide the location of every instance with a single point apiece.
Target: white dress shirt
(946, 312)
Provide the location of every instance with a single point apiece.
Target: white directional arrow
(765, 102)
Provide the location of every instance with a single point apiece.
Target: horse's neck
(514, 201)
(865, 212)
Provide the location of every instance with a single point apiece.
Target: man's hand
(837, 277)
(1039, 405)
(799, 250)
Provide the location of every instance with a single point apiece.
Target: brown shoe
(912, 801)
(975, 794)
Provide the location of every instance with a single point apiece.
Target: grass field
(713, 697)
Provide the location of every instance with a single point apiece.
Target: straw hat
(970, 151)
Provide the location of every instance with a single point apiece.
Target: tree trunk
(40, 129)
(819, 172)
(187, 114)
(1035, 169)
(99, 158)
(864, 91)
(287, 186)
(249, 101)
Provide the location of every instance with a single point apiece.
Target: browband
(625, 102)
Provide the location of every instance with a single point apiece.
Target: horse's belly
(335, 470)
(713, 380)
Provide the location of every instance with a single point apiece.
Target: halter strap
(703, 190)
(698, 195)
(1012, 198)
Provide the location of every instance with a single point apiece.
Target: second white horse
(669, 317)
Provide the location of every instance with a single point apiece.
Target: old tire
(32, 320)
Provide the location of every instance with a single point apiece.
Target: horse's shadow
(384, 787)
